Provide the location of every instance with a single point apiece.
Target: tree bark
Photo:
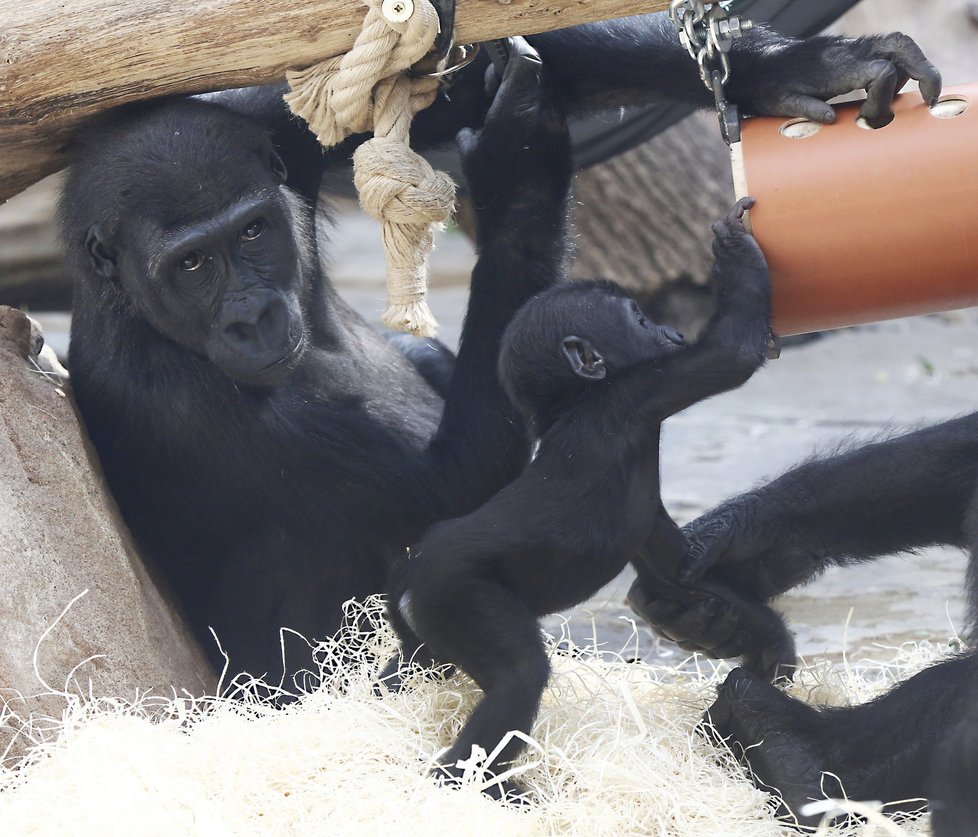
(63, 62)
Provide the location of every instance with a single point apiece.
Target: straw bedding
(614, 752)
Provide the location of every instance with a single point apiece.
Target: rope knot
(399, 186)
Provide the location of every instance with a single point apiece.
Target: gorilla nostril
(257, 324)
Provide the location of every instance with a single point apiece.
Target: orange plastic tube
(860, 225)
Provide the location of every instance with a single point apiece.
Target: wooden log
(63, 62)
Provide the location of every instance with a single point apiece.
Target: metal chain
(708, 32)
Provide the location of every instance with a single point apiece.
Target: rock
(61, 535)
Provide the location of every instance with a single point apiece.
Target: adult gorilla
(272, 453)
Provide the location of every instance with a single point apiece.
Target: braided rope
(368, 88)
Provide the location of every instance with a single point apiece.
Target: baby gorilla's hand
(739, 264)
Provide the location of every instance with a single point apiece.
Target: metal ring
(466, 55)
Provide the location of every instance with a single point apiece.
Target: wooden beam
(60, 63)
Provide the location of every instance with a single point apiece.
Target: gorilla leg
(883, 749)
(509, 661)
(954, 769)
(413, 650)
(777, 737)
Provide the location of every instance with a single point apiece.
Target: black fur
(635, 60)
(271, 494)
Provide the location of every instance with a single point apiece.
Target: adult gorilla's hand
(749, 544)
(794, 77)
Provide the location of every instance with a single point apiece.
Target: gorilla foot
(774, 735)
(523, 145)
(505, 790)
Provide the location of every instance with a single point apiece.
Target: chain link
(708, 32)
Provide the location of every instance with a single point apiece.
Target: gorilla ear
(277, 166)
(583, 358)
(101, 256)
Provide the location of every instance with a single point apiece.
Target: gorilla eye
(192, 261)
(643, 321)
(253, 230)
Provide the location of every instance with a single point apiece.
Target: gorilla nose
(256, 321)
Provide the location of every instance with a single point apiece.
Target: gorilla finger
(466, 140)
(802, 106)
(902, 79)
(704, 552)
(716, 723)
(521, 47)
(739, 208)
(911, 62)
(758, 664)
(718, 537)
(880, 90)
(491, 82)
(696, 648)
(519, 91)
(739, 643)
(653, 610)
(695, 625)
(730, 650)
(731, 225)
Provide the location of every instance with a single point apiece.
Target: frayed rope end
(414, 317)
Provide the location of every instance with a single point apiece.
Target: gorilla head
(180, 213)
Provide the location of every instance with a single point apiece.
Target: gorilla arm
(639, 59)
(890, 496)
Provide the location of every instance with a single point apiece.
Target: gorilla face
(208, 245)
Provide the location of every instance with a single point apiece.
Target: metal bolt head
(397, 11)
(738, 26)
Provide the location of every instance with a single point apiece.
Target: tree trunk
(63, 62)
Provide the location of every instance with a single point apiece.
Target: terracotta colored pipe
(860, 225)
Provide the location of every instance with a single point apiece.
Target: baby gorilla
(594, 379)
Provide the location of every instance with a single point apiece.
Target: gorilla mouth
(292, 354)
(269, 374)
